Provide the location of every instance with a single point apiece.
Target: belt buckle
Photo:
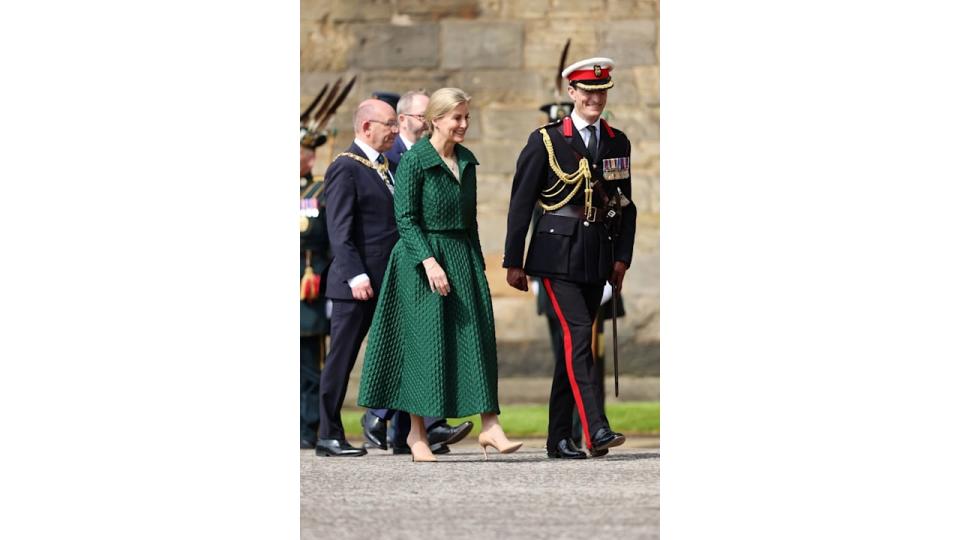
(592, 214)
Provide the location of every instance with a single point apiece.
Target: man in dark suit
(410, 109)
(578, 169)
(363, 231)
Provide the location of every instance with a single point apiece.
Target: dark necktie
(384, 169)
(592, 145)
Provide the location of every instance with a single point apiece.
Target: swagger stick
(616, 291)
(616, 356)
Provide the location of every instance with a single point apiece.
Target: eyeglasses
(420, 116)
(390, 125)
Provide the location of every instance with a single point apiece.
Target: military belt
(576, 212)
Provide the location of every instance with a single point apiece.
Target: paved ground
(521, 495)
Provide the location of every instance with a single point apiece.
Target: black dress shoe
(374, 430)
(338, 448)
(402, 449)
(445, 434)
(605, 438)
(566, 449)
(307, 444)
(598, 453)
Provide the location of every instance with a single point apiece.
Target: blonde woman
(432, 349)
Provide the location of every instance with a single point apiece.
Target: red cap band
(588, 75)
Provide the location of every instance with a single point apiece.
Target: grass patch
(629, 417)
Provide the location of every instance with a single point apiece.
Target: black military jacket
(566, 247)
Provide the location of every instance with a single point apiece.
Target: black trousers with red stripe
(574, 385)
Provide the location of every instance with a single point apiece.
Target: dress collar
(372, 154)
(581, 124)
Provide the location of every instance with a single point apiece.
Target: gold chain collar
(380, 168)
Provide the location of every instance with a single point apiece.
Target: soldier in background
(314, 259)
(315, 256)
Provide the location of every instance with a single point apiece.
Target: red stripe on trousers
(568, 360)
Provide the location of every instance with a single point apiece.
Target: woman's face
(453, 125)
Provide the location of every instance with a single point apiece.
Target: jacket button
(551, 230)
(586, 223)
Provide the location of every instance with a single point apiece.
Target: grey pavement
(520, 495)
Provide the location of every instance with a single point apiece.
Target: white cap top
(604, 63)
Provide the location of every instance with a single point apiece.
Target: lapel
(369, 173)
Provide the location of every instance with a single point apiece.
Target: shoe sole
(328, 454)
(617, 441)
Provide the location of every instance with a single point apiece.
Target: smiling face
(453, 126)
(588, 104)
(375, 123)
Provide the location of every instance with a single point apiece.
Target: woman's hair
(443, 101)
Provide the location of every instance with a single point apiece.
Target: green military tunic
(427, 354)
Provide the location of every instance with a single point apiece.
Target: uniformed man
(314, 259)
(578, 170)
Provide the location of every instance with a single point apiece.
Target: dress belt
(574, 211)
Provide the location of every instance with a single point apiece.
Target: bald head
(375, 123)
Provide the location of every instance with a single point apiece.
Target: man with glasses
(410, 111)
(362, 231)
(440, 434)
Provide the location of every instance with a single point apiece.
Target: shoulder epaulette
(550, 124)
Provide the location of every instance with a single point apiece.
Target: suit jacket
(360, 223)
(565, 247)
(394, 154)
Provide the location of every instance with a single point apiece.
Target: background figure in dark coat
(410, 109)
(314, 325)
(363, 231)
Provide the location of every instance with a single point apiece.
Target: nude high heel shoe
(508, 448)
(423, 456)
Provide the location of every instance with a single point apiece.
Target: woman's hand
(436, 276)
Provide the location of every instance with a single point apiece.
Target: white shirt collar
(582, 124)
(372, 154)
(406, 143)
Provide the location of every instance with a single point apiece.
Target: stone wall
(504, 54)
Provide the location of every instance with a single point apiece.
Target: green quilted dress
(427, 354)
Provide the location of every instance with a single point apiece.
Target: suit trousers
(349, 322)
(309, 387)
(574, 380)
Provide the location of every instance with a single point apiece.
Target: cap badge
(596, 71)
